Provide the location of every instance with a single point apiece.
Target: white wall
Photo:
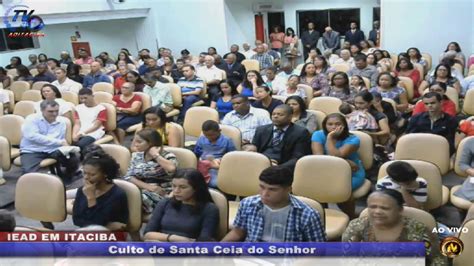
(427, 24)
(240, 16)
(191, 24)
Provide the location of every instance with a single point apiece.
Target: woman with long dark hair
(341, 88)
(221, 101)
(334, 139)
(190, 215)
(300, 116)
(252, 80)
(151, 167)
(155, 118)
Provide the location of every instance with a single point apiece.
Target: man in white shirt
(246, 118)
(89, 120)
(211, 75)
(63, 83)
(247, 51)
(345, 58)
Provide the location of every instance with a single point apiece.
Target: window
(16, 43)
(338, 19)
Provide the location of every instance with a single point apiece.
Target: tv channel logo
(23, 23)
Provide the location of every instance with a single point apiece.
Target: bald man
(331, 40)
(95, 76)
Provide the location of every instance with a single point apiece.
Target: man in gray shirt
(362, 69)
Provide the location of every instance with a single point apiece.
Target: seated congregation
(274, 143)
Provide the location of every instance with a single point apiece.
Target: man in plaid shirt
(275, 215)
(264, 59)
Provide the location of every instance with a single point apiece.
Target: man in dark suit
(282, 141)
(354, 35)
(309, 39)
(235, 71)
(234, 49)
(331, 39)
(374, 35)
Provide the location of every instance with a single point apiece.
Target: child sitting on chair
(210, 148)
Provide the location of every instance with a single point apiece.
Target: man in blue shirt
(95, 76)
(210, 148)
(275, 215)
(43, 135)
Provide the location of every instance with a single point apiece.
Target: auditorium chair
(326, 179)
(109, 125)
(465, 258)
(70, 97)
(421, 216)
(146, 103)
(195, 117)
(103, 86)
(221, 203)
(18, 88)
(103, 97)
(407, 84)
(315, 206)
(455, 200)
(11, 98)
(234, 134)
(239, 174)
(134, 199)
(120, 154)
(175, 91)
(367, 82)
(169, 78)
(132, 67)
(341, 67)
(41, 197)
(11, 129)
(185, 157)
(366, 155)
(392, 102)
(309, 92)
(428, 59)
(24, 108)
(319, 116)
(468, 106)
(85, 69)
(1, 109)
(453, 95)
(298, 68)
(251, 64)
(179, 131)
(5, 152)
(437, 193)
(31, 95)
(424, 147)
(38, 85)
(394, 58)
(459, 68)
(34, 72)
(327, 105)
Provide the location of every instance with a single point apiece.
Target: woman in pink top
(277, 37)
(291, 46)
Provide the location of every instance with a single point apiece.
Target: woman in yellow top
(156, 119)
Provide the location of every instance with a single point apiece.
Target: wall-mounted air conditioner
(266, 7)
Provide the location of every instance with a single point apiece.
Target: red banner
(54, 236)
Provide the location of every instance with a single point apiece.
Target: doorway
(275, 19)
